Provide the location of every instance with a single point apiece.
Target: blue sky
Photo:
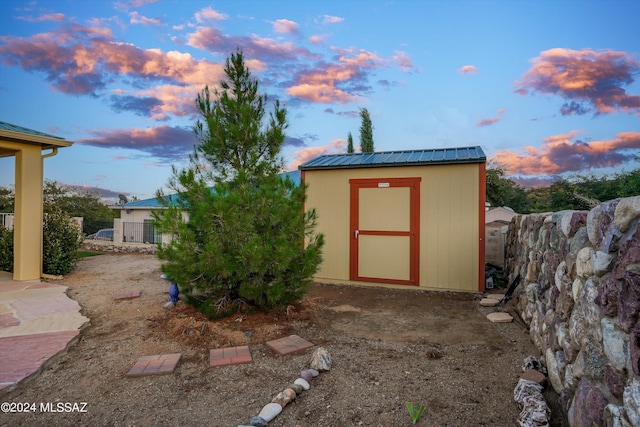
(546, 88)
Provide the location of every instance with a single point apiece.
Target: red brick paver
(24, 355)
(290, 344)
(127, 295)
(7, 320)
(159, 364)
(229, 356)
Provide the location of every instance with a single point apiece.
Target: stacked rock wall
(106, 246)
(580, 297)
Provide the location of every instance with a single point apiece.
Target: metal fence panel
(140, 232)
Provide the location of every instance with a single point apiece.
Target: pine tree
(349, 143)
(366, 132)
(247, 240)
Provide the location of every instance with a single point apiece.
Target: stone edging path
(320, 362)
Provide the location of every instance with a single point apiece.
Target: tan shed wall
(449, 225)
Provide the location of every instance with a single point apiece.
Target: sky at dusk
(546, 88)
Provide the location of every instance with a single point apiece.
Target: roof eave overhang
(46, 142)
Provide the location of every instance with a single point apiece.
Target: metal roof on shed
(397, 158)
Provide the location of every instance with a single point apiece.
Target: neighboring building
(135, 224)
(497, 225)
(402, 218)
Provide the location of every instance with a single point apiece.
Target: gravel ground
(388, 347)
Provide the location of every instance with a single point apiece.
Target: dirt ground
(388, 347)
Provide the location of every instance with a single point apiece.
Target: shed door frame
(414, 229)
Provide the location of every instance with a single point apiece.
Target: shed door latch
(355, 234)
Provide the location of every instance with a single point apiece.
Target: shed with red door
(401, 218)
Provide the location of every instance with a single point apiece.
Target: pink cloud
(136, 18)
(316, 39)
(83, 61)
(329, 19)
(164, 142)
(304, 155)
(487, 122)
(56, 17)
(266, 49)
(403, 60)
(468, 69)
(323, 84)
(588, 80)
(126, 5)
(285, 26)
(209, 14)
(564, 153)
(491, 121)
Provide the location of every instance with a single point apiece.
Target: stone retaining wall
(105, 246)
(580, 297)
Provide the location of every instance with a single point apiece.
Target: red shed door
(384, 230)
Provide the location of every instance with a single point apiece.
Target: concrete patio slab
(37, 322)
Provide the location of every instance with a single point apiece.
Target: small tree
(366, 132)
(349, 143)
(244, 239)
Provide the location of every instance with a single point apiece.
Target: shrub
(61, 239)
(6, 249)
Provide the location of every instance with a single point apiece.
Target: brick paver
(290, 344)
(23, 355)
(7, 320)
(229, 356)
(127, 295)
(159, 364)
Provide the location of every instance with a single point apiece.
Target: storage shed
(401, 218)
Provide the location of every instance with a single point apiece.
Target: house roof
(397, 158)
(18, 134)
(173, 199)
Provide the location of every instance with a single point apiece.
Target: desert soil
(388, 347)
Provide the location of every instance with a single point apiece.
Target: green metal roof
(397, 158)
(26, 131)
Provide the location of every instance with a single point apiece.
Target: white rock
(584, 262)
(320, 360)
(554, 370)
(631, 400)
(302, 383)
(561, 272)
(615, 344)
(627, 210)
(602, 263)
(270, 411)
(576, 289)
(613, 416)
